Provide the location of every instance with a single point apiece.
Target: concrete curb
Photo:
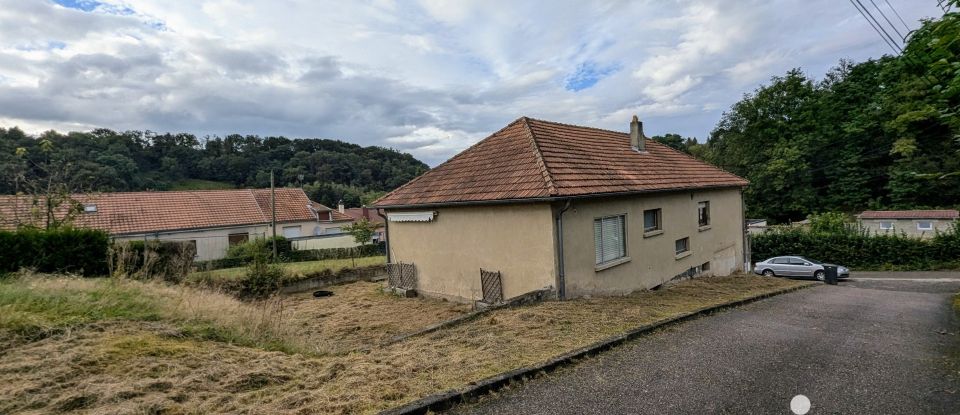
(446, 400)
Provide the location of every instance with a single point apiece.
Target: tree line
(109, 161)
(884, 133)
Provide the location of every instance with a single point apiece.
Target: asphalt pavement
(879, 343)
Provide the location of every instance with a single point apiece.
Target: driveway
(867, 346)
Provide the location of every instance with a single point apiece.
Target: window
(193, 245)
(237, 238)
(885, 225)
(705, 267)
(90, 208)
(781, 260)
(682, 245)
(651, 220)
(291, 231)
(703, 213)
(924, 225)
(798, 261)
(609, 237)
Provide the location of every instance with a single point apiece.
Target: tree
(362, 231)
(44, 188)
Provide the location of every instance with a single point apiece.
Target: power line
(880, 26)
(907, 28)
(892, 26)
(895, 50)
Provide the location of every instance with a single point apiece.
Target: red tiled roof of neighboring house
(370, 214)
(534, 159)
(335, 214)
(910, 214)
(146, 212)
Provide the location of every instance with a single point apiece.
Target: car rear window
(781, 260)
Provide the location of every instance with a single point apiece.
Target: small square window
(885, 225)
(609, 235)
(924, 225)
(682, 245)
(651, 220)
(91, 208)
(703, 213)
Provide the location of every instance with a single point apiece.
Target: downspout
(561, 276)
(746, 234)
(386, 233)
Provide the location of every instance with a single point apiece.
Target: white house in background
(916, 223)
(212, 220)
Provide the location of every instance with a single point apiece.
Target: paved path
(859, 348)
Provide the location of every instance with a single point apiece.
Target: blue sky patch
(587, 75)
(84, 5)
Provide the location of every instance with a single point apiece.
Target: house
(378, 222)
(756, 226)
(578, 210)
(918, 223)
(212, 220)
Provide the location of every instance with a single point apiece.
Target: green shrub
(262, 278)
(80, 251)
(152, 260)
(859, 249)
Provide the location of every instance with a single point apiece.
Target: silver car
(796, 266)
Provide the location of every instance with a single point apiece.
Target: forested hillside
(883, 133)
(104, 160)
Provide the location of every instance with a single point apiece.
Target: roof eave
(555, 198)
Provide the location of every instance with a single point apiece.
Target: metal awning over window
(411, 216)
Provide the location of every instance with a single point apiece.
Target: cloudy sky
(428, 77)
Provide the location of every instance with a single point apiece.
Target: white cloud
(430, 78)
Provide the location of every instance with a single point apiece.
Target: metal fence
(400, 275)
(492, 285)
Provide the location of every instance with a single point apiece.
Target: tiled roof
(371, 215)
(531, 159)
(145, 212)
(910, 214)
(335, 214)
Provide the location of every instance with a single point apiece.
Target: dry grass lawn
(119, 366)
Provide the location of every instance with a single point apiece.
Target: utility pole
(273, 209)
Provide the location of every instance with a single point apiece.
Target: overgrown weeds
(33, 306)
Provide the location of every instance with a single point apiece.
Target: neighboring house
(918, 223)
(210, 219)
(756, 226)
(379, 233)
(579, 210)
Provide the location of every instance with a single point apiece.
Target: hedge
(859, 249)
(153, 259)
(80, 251)
(297, 256)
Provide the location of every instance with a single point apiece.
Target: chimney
(636, 135)
(366, 212)
(340, 206)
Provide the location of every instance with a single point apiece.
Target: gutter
(386, 233)
(556, 198)
(561, 275)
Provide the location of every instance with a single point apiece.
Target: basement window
(609, 236)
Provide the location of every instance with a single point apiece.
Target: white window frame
(599, 238)
(888, 228)
(929, 225)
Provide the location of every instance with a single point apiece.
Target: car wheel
(768, 273)
(819, 275)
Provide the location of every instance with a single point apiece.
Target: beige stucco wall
(213, 243)
(906, 226)
(448, 252)
(652, 259)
